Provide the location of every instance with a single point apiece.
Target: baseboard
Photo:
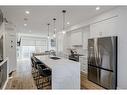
(5, 84)
(84, 73)
(7, 80)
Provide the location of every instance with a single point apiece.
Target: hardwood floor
(22, 78)
(86, 84)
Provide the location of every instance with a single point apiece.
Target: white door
(11, 52)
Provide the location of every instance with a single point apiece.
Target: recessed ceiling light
(63, 32)
(27, 12)
(97, 8)
(54, 35)
(68, 23)
(55, 29)
(25, 24)
(29, 30)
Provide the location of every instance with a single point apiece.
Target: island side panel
(65, 73)
(66, 76)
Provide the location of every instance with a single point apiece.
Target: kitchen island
(65, 73)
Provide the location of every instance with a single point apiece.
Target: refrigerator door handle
(89, 60)
(99, 58)
(96, 51)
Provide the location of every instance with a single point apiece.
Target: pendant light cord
(64, 11)
(54, 19)
(48, 29)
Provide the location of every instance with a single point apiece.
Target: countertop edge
(1, 63)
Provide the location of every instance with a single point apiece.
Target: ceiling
(41, 15)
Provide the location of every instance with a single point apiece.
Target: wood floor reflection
(22, 77)
(86, 84)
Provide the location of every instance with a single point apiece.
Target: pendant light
(54, 21)
(48, 30)
(63, 11)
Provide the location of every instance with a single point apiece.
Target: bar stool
(33, 66)
(44, 75)
(35, 62)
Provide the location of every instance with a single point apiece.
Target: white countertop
(1, 63)
(65, 73)
(53, 63)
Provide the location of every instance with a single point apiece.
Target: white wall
(122, 47)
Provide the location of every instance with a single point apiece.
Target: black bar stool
(35, 63)
(44, 75)
(33, 66)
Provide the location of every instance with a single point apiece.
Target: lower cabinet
(83, 64)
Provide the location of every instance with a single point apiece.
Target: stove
(75, 57)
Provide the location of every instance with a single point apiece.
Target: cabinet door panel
(104, 28)
(83, 63)
(76, 38)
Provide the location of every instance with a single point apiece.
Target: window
(26, 51)
(32, 45)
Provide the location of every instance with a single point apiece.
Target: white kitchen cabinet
(60, 44)
(104, 28)
(76, 38)
(9, 47)
(11, 50)
(83, 64)
(86, 35)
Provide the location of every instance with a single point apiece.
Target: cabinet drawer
(84, 66)
(85, 63)
(84, 70)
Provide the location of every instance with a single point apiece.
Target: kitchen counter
(65, 73)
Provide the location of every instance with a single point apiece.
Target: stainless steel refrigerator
(102, 61)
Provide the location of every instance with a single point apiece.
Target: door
(107, 52)
(106, 79)
(93, 74)
(93, 58)
(11, 52)
(91, 52)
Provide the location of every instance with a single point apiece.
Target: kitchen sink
(1, 60)
(55, 58)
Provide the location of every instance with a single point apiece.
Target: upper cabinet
(1, 17)
(1, 48)
(103, 28)
(76, 38)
